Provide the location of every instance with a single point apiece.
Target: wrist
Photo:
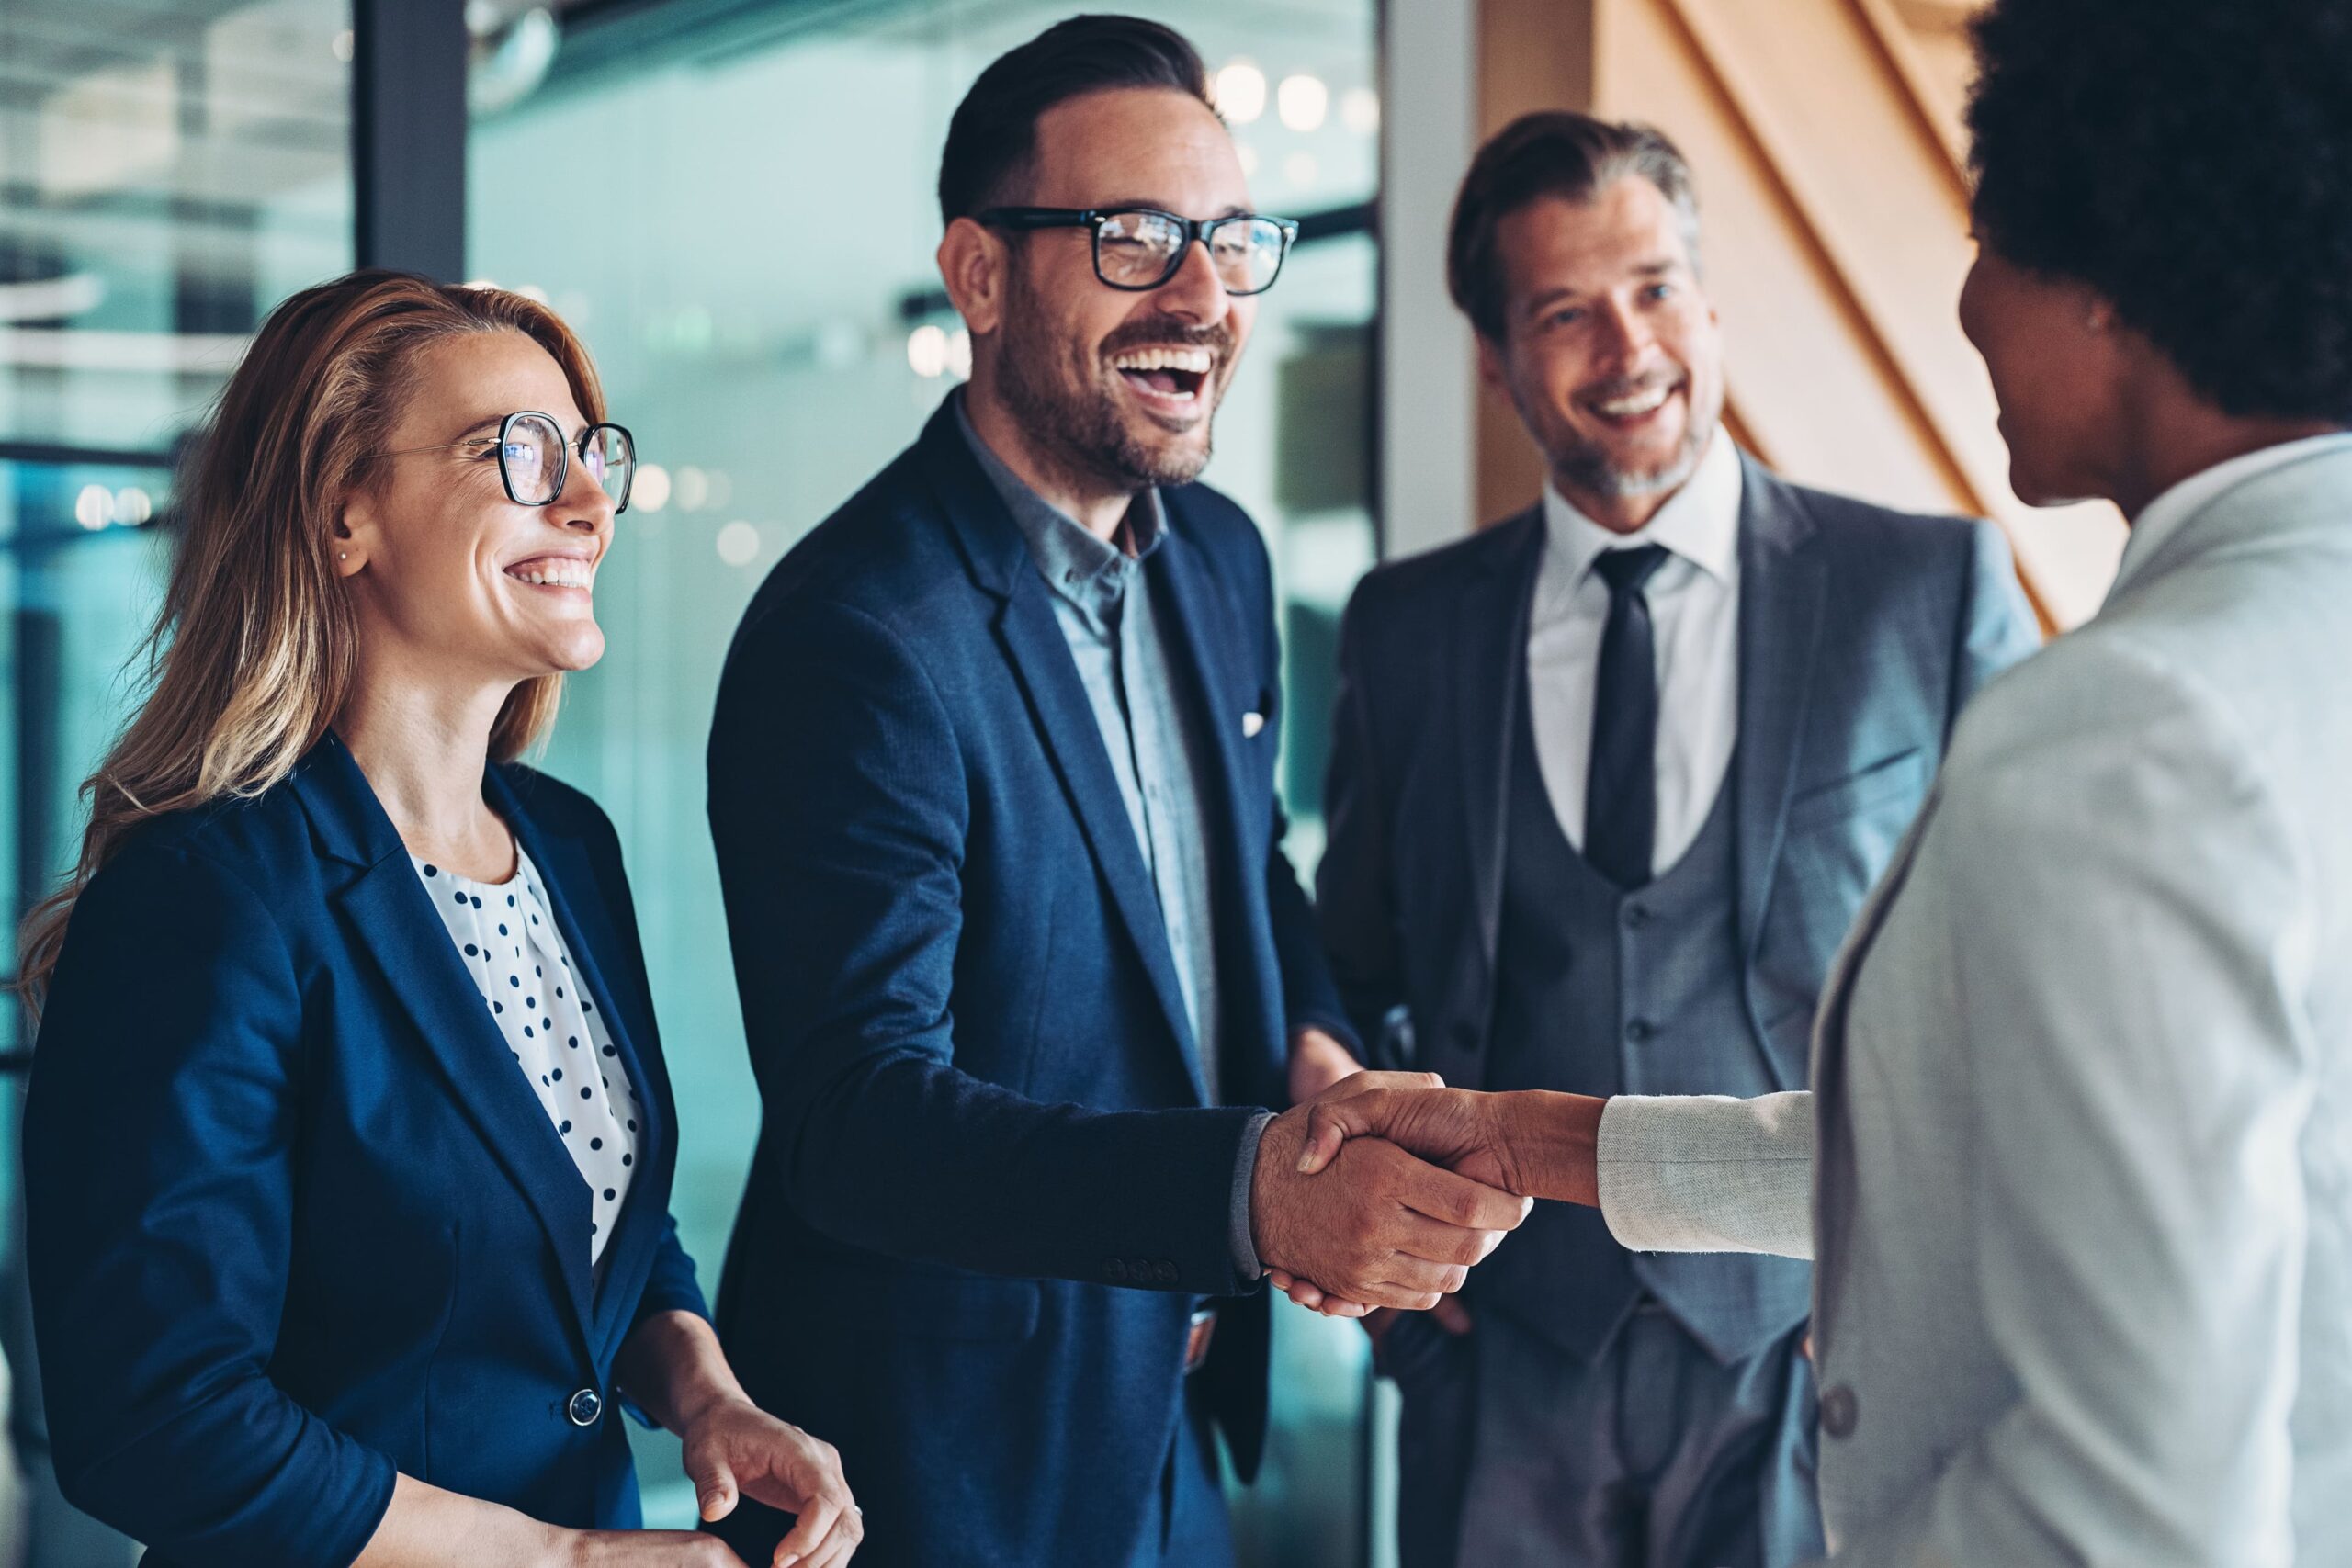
(1553, 1141)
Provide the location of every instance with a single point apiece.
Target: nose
(1195, 293)
(582, 504)
(1625, 336)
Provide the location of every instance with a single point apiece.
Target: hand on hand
(735, 1447)
(1455, 1128)
(1391, 1230)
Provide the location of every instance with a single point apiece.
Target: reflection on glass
(168, 172)
(768, 370)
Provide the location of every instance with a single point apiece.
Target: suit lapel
(1781, 593)
(391, 917)
(610, 986)
(1039, 653)
(1198, 631)
(1490, 673)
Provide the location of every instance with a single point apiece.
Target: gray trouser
(1654, 1455)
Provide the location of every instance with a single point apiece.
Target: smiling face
(1611, 352)
(451, 579)
(1113, 391)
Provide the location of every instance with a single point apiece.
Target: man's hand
(1378, 1227)
(1531, 1143)
(1316, 1062)
(1457, 1128)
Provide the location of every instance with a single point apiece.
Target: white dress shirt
(1694, 615)
(507, 937)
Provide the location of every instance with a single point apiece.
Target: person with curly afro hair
(2077, 1170)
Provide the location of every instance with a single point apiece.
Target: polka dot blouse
(507, 936)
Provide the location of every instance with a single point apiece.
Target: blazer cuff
(1245, 1173)
(1708, 1173)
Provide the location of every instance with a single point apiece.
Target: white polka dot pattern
(507, 937)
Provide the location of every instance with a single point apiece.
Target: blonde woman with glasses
(349, 1144)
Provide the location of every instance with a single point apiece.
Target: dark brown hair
(993, 137)
(1557, 153)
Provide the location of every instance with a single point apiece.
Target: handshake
(1385, 1189)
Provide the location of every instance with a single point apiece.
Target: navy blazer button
(1638, 1031)
(1115, 1272)
(1839, 1411)
(584, 1407)
(1165, 1273)
(1636, 915)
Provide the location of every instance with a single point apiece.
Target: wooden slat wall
(1825, 136)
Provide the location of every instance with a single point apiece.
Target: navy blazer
(1861, 633)
(984, 1126)
(294, 1220)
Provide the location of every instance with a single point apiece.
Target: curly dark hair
(2191, 161)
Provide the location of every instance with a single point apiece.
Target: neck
(423, 749)
(2172, 449)
(1100, 506)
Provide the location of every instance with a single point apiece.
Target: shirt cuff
(1245, 1171)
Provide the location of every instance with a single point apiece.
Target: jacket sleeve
(839, 814)
(1997, 627)
(159, 1149)
(1707, 1173)
(1355, 896)
(2133, 930)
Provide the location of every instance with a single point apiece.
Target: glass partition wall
(168, 171)
(744, 236)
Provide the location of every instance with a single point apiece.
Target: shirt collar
(2165, 516)
(1073, 562)
(1698, 522)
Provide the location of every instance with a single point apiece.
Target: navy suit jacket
(1861, 633)
(984, 1124)
(294, 1219)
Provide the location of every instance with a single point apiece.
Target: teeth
(555, 574)
(1639, 403)
(1196, 360)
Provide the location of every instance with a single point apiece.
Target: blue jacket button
(584, 1407)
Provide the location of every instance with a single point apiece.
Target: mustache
(1631, 386)
(1217, 340)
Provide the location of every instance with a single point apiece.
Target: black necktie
(1621, 792)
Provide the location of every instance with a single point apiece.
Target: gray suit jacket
(1862, 632)
(2083, 1214)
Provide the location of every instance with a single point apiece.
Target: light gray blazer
(2080, 1194)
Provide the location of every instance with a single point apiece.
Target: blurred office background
(731, 199)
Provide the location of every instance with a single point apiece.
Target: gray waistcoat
(1603, 992)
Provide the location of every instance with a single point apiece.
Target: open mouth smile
(1172, 379)
(555, 572)
(1630, 411)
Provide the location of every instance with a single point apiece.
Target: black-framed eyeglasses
(1140, 248)
(535, 460)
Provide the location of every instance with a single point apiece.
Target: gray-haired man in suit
(1610, 783)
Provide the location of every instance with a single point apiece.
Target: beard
(1590, 467)
(1076, 420)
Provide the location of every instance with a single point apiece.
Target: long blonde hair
(255, 651)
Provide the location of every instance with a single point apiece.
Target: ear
(358, 527)
(973, 261)
(1491, 370)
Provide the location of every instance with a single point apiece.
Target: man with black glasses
(1019, 952)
